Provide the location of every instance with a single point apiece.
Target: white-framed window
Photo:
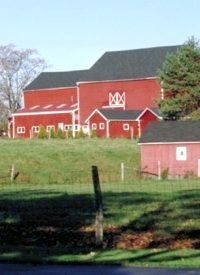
(101, 125)
(94, 126)
(76, 127)
(35, 129)
(117, 99)
(21, 130)
(50, 127)
(126, 127)
(181, 153)
(68, 127)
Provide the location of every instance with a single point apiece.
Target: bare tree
(17, 69)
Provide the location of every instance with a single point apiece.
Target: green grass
(47, 214)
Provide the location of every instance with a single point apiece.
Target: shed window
(50, 127)
(181, 153)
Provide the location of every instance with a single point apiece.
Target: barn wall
(145, 119)
(166, 154)
(116, 129)
(37, 120)
(50, 96)
(139, 95)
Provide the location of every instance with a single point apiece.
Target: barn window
(35, 129)
(94, 126)
(50, 127)
(181, 153)
(21, 130)
(68, 127)
(125, 126)
(101, 126)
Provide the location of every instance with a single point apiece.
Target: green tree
(42, 132)
(180, 80)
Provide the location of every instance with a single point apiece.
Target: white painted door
(61, 126)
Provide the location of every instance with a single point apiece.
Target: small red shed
(172, 146)
(121, 123)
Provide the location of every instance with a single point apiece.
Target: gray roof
(171, 131)
(55, 79)
(129, 64)
(120, 114)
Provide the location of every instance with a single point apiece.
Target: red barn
(121, 123)
(121, 80)
(172, 146)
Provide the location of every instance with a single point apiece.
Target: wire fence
(57, 209)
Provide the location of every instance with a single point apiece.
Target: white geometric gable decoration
(117, 99)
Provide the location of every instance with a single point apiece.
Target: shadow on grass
(55, 222)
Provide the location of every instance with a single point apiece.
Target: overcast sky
(73, 34)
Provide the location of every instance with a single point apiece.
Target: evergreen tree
(180, 80)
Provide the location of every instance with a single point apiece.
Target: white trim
(148, 109)
(126, 127)
(44, 89)
(108, 128)
(78, 102)
(21, 130)
(13, 129)
(47, 106)
(34, 130)
(96, 110)
(44, 113)
(94, 126)
(177, 142)
(50, 127)
(102, 126)
(116, 80)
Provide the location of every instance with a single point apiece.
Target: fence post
(98, 207)
(159, 171)
(12, 174)
(122, 171)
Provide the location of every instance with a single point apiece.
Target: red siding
(116, 129)
(166, 154)
(97, 119)
(50, 96)
(37, 120)
(145, 119)
(139, 95)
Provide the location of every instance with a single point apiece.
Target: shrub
(60, 134)
(93, 133)
(81, 134)
(165, 174)
(69, 133)
(52, 133)
(42, 132)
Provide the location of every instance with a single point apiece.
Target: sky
(73, 34)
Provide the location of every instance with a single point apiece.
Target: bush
(69, 133)
(60, 134)
(80, 133)
(42, 133)
(165, 174)
(93, 133)
(52, 133)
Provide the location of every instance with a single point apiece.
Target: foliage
(69, 133)
(17, 69)
(42, 134)
(194, 115)
(80, 134)
(164, 174)
(52, 133)
(60, 134)
(180, 80)
(93, 133)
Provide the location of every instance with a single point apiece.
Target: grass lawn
(47, 214)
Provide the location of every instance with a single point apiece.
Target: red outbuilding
(173, 147)
(121, 123)
(119, 80)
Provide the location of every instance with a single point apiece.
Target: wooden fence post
(122, 171)
(12, 174)
(98, 207)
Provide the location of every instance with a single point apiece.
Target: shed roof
(47, 80)
(171, 131)
(129, 64)
(120, 114)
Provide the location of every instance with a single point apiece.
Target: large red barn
(173, 147)
(121, 80)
